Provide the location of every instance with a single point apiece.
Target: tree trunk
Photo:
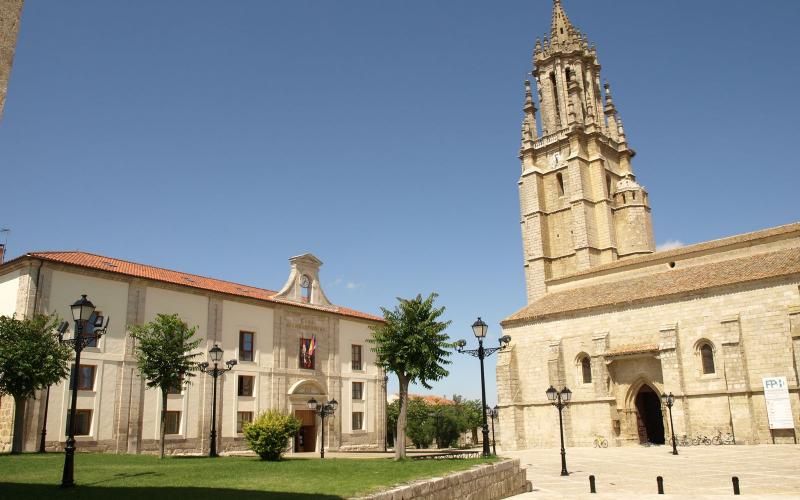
(19, 425)
(400, 441)
(163, 418)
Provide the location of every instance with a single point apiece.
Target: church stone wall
(748, 325)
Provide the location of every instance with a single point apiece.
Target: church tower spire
(580, 203)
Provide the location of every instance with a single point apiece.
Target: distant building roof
(430, 399)
(666, 284)
(133, 269)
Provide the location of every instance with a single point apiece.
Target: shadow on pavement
(9, 491)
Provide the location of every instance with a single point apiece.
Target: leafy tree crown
(31, 357)
(412, 342)
(164, 351)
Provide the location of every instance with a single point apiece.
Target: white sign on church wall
(779, 409)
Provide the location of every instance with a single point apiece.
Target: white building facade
(267, 332)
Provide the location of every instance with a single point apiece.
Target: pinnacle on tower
(561, 29)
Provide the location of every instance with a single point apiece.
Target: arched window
(608, 186)
(554, 87)
(560, 180)
(586, 370)
(707, 358)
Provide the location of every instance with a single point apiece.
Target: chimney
(2, 252)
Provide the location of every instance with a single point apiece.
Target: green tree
(471, 409)
(164, 357)
(31, 358)
(412, 344)
(419, 426)
(448, 424)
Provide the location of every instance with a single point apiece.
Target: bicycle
(720, 438)
(600, 442)
(684, 440)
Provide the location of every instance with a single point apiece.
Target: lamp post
(82, 311)
(669, 400)
(386, 413)
(60, 331)
(215, 354)
(493, 414)
(560, 400)
(479, 329)
(323, 411)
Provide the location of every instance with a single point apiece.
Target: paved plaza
(764, 471)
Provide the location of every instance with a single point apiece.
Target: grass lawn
(116, 477)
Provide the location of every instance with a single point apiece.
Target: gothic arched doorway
(649, 420)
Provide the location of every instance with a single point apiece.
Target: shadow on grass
(44, 491)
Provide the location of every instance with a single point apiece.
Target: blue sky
(381, 136)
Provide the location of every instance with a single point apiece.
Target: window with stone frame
(177, 388)
(83, 422)
(95, 322)
(307, 353)
(242, 418)
(707, 358)
(246, 346)
(86, 375)
(586, 369)
(172, 422)
(246, 384)
(358, 391)
(358, 421)
(355, 357)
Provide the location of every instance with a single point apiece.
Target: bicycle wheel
(706, 440)
(716, 440)
(604, 443)
(696, 442)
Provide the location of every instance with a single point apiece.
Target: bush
(269, 434)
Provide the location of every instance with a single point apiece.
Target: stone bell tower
(580, 203)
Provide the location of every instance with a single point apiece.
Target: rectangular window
(83, 423)
(245, 346)
(95, 322)
(243, 417)
(246, 384)
(358, 390)
(85, 377)
(355, 356)
(358, 420)
(308, 349)
(172, 422)
(176, 389)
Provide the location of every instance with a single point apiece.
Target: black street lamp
(493, 414)
(215, 354)
(560, 400)
(669, 400)
(82, 311)
(60, 331)
(479, 328)
(323, 411)
(386, 413)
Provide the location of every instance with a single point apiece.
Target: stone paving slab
(764, 471)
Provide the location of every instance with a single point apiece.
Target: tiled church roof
(124, 267)
(662, 285)
(739, 239)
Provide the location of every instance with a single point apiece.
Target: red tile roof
(124, 267)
